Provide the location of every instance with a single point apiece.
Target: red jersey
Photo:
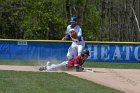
(76, 61)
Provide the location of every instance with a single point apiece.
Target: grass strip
(38, 82)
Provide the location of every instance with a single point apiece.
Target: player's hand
(64, 38)
(79, 68)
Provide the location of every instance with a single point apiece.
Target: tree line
(100, 20)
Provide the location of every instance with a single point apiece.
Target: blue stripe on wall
(106, 52)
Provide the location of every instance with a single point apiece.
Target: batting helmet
(85, 52)
(73, 19)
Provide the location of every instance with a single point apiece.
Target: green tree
(43, 19)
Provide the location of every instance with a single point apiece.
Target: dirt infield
(126, 80)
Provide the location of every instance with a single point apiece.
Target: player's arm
(78, 67)
(67, 35)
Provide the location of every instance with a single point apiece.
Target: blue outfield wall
(57, 49)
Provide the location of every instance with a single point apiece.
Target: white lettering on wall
(93, 51)
(89, 48)
(117, 54)
(127, 50)
(22, 43)
(136, 51)
(105, 52)
(114, 53)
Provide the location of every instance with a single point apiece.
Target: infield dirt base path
(126, 80)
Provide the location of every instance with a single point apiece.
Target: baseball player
(73, 64)
(74, 32)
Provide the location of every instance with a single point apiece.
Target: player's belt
(76, 41)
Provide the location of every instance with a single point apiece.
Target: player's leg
(71, 51)
(80, 47)
(57, 67)
(45, 66)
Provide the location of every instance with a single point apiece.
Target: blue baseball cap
(73, 19)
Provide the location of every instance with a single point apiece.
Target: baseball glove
(73, 34)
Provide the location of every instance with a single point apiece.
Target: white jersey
(77, 29)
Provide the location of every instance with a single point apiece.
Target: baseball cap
(73, 19)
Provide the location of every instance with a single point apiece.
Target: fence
(57, 49)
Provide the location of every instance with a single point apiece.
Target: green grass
(87, 64)
(37, 82)
(112, 65)
(22, 62)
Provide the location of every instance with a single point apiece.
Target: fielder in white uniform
(77, 44)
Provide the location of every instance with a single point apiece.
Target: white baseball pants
(56, 67)
(74, 48)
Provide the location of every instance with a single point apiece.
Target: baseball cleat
(42, 68)
(48, 63)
